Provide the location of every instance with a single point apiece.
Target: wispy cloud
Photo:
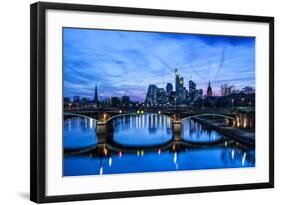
(120, 61)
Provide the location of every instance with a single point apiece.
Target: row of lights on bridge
(139, 112)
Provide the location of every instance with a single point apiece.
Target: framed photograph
(129, 102)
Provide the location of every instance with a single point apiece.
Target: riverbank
(241, 135)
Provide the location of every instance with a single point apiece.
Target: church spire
(209, 90)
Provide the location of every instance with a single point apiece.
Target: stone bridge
(105, 126)
(177, 114)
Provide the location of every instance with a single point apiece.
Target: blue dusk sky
(124, 62)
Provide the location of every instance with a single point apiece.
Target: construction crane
(221, 62)
(176, 70)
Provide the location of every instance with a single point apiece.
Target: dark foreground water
(146, 143)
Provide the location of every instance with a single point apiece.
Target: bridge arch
(133, 113)
(209, 114)
(79, 115)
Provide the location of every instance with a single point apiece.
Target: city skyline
(126, 63)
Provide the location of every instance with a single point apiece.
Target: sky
(126, 62)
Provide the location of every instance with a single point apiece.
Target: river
(145, 143)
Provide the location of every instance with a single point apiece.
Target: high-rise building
(181, 82)
(173, 98)
(96, 98)
(192, 91)
(169, 87)
(151, 96)
(181, 97)
(161, 96)
(186, 95)
(177, 81)
(169, 90)
(199, 94)
(180, 89)
(209, 90)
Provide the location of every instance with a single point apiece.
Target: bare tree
(227, 89)
(248, 90)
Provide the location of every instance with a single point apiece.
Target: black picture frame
(38, 100)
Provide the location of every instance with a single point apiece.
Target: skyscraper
(209, 90)
(151, 96)
(199, 94)
(177, 81)
(180, 89)
(181, 82)
(181, 97)
(192, 90)
(96, 98)
(169, 87)
(161, 96)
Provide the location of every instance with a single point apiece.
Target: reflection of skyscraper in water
(131, 121)
(152, 125)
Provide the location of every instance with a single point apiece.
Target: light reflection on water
(142, 130)
(79, 132)
(195, 132)
(147, 130)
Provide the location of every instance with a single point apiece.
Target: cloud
(120, 61)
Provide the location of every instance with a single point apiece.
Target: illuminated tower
(209, 90)
(177, 81)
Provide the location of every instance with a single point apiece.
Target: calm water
(142, 130)
(195, 132)
(145, 143)
(79, 132)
